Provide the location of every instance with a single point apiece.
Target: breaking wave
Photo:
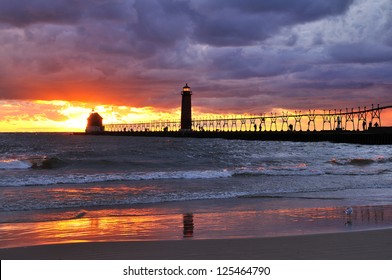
(360, 161)
(13, 164)
(47, 163)
(41, 180)
(34, 162)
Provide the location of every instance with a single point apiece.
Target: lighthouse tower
(186, 109)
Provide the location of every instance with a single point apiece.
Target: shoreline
(251, 218)
(357, 245)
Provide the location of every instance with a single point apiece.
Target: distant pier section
(361, 125)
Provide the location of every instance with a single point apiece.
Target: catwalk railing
(360, 119)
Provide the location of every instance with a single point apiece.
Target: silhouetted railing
(361, 119)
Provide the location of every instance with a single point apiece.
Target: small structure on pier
(186, 109)
(94, 123)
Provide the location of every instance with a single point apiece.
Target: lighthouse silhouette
(186, 109)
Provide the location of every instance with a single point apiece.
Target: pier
(334, 126)
(360, 125)
(331, 120)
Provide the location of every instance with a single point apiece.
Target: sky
(128, 59)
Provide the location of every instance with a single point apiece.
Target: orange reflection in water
(113, 228)
(149, 224)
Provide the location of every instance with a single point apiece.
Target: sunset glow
(128, 60)
(65, 116)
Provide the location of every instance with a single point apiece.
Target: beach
(362, 245)
(232, 230)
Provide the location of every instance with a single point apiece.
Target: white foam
(11, 164)
(41, 180)
(275, 171)
(205, 174)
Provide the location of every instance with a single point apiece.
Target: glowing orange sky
(65, 116)
(62, 116)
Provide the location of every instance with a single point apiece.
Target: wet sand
(367, 245)
(261, 228)
(200, 220)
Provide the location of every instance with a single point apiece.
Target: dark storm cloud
(349, 72)
(300, 8)
(164, 21)
(237, 64)
(240, 23)
(362, 52)
(233, 53)
(24, 12)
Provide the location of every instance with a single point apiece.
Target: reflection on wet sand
(127, 225)
(188, 225)
(371, 215)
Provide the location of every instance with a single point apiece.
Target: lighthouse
(186, 109)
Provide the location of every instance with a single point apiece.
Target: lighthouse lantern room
(186, 109)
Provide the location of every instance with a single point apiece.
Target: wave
(78, 178)
(47, 163)
(34, 163)
(280, 196)
(14, 164)
(42, 180)
(360, 161)
(39, 179)
(358, 172)
(124, 200)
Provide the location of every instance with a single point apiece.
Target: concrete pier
(373, 136)
(362, 126)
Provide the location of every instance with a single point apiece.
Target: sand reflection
(188, 225)
(149, 224)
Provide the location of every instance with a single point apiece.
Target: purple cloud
(238, 56)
